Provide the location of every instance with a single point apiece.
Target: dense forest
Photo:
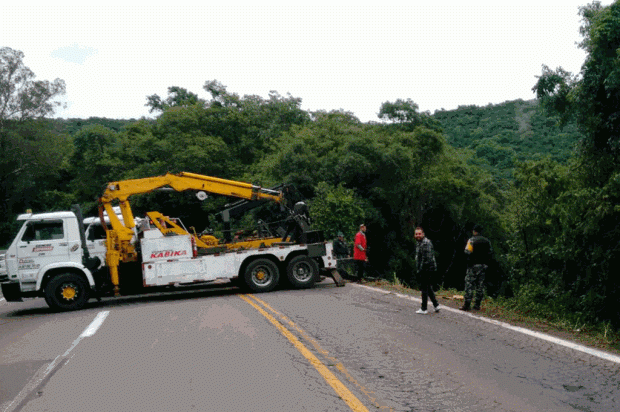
(502, 135)
(542, 176)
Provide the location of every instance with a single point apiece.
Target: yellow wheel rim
(69, 292)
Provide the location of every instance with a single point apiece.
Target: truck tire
(262, 275)
(302, 272)
(67, 291)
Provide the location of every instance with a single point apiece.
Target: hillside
(500, 134)
(72, 126)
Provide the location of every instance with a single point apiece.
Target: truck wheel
(262, 275)
(67, 292)
(302, 272)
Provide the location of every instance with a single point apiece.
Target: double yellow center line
(329, 377)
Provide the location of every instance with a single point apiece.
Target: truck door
(42, 243)
(95, 240)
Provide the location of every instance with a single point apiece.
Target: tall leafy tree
(30, 149)
(405, 115)
(588, 237)
(592, 98)
(96, 160)
(177, 97)
(21, 97)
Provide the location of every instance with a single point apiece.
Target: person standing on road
(426, 267)
(341, 250)
(359, 252)
(478, 251)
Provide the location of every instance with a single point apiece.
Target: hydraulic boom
(119, 238)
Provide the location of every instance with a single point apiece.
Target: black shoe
(464, 307)
(476, 307)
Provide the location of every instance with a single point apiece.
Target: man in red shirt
(359, 252)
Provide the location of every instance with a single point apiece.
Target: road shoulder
(576, 336)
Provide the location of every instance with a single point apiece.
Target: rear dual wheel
(302, 272)
(262, 275)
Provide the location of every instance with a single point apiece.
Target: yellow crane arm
(121, 191)
(119, 247)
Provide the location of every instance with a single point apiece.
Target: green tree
(407, 178)
(96, 160)
(587, 237)
(177, 97)
(592, 98)
(404, 114)
(339, 209)
(220, 96)
(21, 97)
(31, 150)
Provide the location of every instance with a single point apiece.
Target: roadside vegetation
(542, 177)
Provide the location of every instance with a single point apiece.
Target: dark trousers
(360, 265)
(344, 266)
(427, 289)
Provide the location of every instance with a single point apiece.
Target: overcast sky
(440, 54)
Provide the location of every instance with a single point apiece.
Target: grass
(600, 336)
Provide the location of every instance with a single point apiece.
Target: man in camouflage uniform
(341, 251)
(478, 251)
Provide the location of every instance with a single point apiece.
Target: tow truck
(51, 255)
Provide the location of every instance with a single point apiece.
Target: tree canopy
(566, 220)
(31, 151)
(21, 97)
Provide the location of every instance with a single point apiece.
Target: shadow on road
(171, 294)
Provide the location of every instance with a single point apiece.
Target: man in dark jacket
(478, 251)
(426, 268)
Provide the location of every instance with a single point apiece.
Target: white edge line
(1, 299)
(41, 374)
(95, 324)
(571, 345)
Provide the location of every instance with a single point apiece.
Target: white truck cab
(47, 244)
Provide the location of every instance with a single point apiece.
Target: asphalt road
(323, 349)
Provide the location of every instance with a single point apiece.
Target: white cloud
(74, 53)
